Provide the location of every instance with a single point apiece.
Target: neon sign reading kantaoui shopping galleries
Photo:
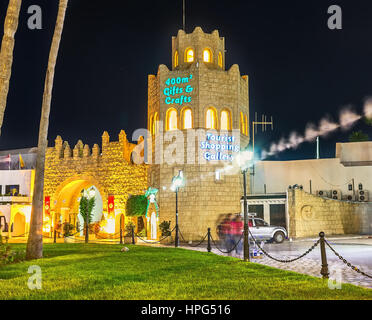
(174, 93)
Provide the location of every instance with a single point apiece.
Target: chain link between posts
(346, 262)
(158, 241)
(232, 249)
(190, 245)
(280, 260)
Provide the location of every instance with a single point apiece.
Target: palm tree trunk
(6, 53)
(35, 239)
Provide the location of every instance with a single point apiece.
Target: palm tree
(35, 239)
(6, 53)
(358, 136)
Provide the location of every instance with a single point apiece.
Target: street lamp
(245, 160)
(177, 182)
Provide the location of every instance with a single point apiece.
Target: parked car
(261, 230)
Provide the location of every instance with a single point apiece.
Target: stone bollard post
(209, 247)
(324, 271)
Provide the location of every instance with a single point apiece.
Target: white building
(16, 191)
(347, 177)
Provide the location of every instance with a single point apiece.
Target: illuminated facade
(16, 191)
(110, 173)
(198, 93)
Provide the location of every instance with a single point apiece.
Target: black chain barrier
(191, 245)
(346, 262)
(232, 249)
(280, 260)
(155, 242)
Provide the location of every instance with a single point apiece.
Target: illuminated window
(211, 119)
(189, 57)
(172, 119)
(220, 59)
(187, 119)
(176, 59)
(225, 120)
(156, 123)
(242, 125)
(246, 125)
(207, 55)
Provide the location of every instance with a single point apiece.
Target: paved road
(357, 251)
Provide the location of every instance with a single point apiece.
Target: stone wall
(110, 171)
(309, 214)
(203, 200)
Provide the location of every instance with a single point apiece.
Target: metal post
(311, 188)
(133, 241)
(55, 236)
(209, 247)
(121, 235)
(177, 240)
(246, 242)
(324, 271)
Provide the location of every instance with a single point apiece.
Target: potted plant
(67, 233)
(166, 232)
(128, 233)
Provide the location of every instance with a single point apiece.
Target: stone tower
(198, 116)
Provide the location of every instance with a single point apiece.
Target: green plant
(7, 254)
(128, 229)
(358, 136)
(165, 228)
(136, 205)
(67, 228)
(142, 233)
(86, 207)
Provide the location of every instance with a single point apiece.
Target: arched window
(246, 125)
(242, 125)
(225, 120)
(220, 59)
(172, 119)
(211, 119)
(156, 123)
(207, 55)
(187, 118)
(189, 55)
(176, 59)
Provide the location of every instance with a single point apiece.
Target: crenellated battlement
(62, 150)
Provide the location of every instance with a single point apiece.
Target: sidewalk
(309, 266)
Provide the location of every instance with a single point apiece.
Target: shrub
(136, 206)
(165, 228)
(128, 229)
(67, 229)
(7, 255)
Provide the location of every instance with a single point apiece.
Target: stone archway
(66, 200)
(68, 171)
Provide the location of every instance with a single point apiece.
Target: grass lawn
(79, 271)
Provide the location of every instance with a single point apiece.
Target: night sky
(299, 70)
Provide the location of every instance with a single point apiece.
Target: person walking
(237, 227)
(226, 232)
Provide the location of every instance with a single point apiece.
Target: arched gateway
(110, 174)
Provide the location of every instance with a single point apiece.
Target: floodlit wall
(309, 215)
